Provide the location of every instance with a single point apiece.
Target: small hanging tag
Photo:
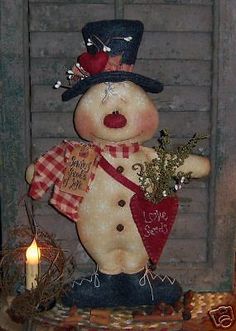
(78, 170)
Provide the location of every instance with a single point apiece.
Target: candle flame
(33, 253)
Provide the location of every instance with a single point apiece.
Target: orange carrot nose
(115, 120)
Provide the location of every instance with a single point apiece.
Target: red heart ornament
(93, 63)
(154, 222)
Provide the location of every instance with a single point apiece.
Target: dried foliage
(159, 178)
(55, 268)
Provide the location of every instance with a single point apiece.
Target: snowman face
(116, 112)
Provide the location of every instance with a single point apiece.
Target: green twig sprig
(159, 178)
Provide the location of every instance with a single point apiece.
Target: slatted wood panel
(206, 85)
(177, 49)
(14, 99)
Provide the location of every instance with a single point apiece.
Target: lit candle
(32, 265)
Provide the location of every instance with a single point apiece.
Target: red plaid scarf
(120, 150)
(49, 170)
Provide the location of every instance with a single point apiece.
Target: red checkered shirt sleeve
(48, 170)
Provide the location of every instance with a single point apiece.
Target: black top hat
(112, 48)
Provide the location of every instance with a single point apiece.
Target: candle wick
(31, 219)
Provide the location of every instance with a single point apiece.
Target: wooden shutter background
(189, 46)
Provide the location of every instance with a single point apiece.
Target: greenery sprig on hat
(158, 178)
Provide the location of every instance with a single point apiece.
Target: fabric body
(153, 221)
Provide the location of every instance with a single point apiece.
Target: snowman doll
(95, 183)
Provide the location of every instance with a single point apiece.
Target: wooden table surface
(120, 319)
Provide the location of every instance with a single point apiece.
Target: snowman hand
(29, 174)
(199, 166)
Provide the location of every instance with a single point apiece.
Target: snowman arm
(199, 166)
(46, 171)
(29, 174)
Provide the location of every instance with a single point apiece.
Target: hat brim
(148, 84)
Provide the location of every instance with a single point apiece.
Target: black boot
(98, 290)
(102, 290)
(148, 288)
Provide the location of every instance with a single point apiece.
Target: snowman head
(115, 106)
(116, 113)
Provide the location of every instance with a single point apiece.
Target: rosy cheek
(83, 125)
(148, 123)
